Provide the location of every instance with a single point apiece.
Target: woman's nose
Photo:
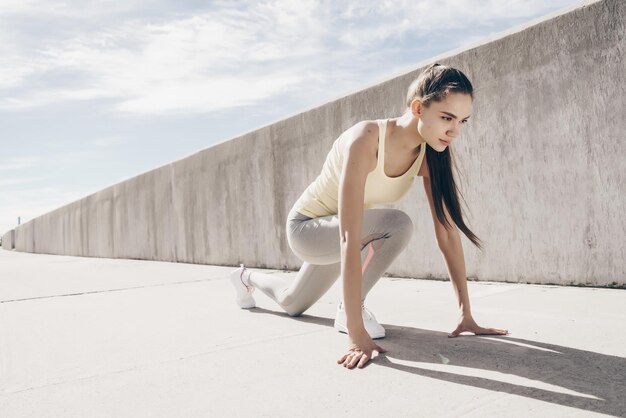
(456, 130)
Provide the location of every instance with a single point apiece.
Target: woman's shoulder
(362, 140)
(365, 128)
(362, 134)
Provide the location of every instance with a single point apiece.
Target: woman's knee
(293, 312)
(289, 304)
(400, 226)
(397, 220)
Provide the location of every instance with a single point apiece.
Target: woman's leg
(296, 296)
(379, 252)
(385, 233)
(312, 280)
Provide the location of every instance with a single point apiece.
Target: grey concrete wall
(8, 240)
(542, 170)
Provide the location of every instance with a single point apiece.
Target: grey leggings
(384, 234)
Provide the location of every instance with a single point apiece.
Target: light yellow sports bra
(321, 198)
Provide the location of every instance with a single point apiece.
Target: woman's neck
(404, 132)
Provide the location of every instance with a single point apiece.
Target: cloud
(423, 21)
(233, 54)
(213, 60)
(18, 163)
(106, 142)
(67, 8)
(14, 181)
(25, 170)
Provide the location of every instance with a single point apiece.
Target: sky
(94, 92)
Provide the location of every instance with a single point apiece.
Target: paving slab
(94, 337)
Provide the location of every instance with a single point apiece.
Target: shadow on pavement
(551, 373)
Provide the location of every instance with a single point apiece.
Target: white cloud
(17, 163)
(52, 95)
(67, 8)
(15, 181)
(392, 20)
(106, 142)
(212, 60)
(235, 54)
(17, 7)
(19, 170)
(14, 70)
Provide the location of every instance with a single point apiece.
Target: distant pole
(19, 219)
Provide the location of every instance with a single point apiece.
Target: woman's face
(444, 120)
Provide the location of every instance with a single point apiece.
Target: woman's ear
(416, 107)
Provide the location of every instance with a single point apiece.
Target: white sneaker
(373, 328)
(243, 287)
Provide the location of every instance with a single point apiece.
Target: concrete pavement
(94, 337)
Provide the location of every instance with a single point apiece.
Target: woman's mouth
(445, 142)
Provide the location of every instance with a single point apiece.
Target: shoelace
(248, 288)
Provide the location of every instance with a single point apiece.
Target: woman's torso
(392, 173)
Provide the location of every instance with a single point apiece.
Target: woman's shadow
(551, 373)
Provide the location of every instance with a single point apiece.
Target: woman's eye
(449, 119)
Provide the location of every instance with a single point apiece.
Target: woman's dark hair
(433, 85)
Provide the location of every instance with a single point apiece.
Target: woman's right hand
(360, 350)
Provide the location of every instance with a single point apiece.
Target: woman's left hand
(467, 323)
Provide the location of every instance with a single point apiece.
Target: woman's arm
(356, 166)
(449, 243)
(452, 251)
(351, 195)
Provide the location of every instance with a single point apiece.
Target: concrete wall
(542, 170)
(8, 240)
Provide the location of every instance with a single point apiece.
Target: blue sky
(97, 91)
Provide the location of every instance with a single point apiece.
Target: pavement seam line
(109, 290)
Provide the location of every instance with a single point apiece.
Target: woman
(334, 228)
